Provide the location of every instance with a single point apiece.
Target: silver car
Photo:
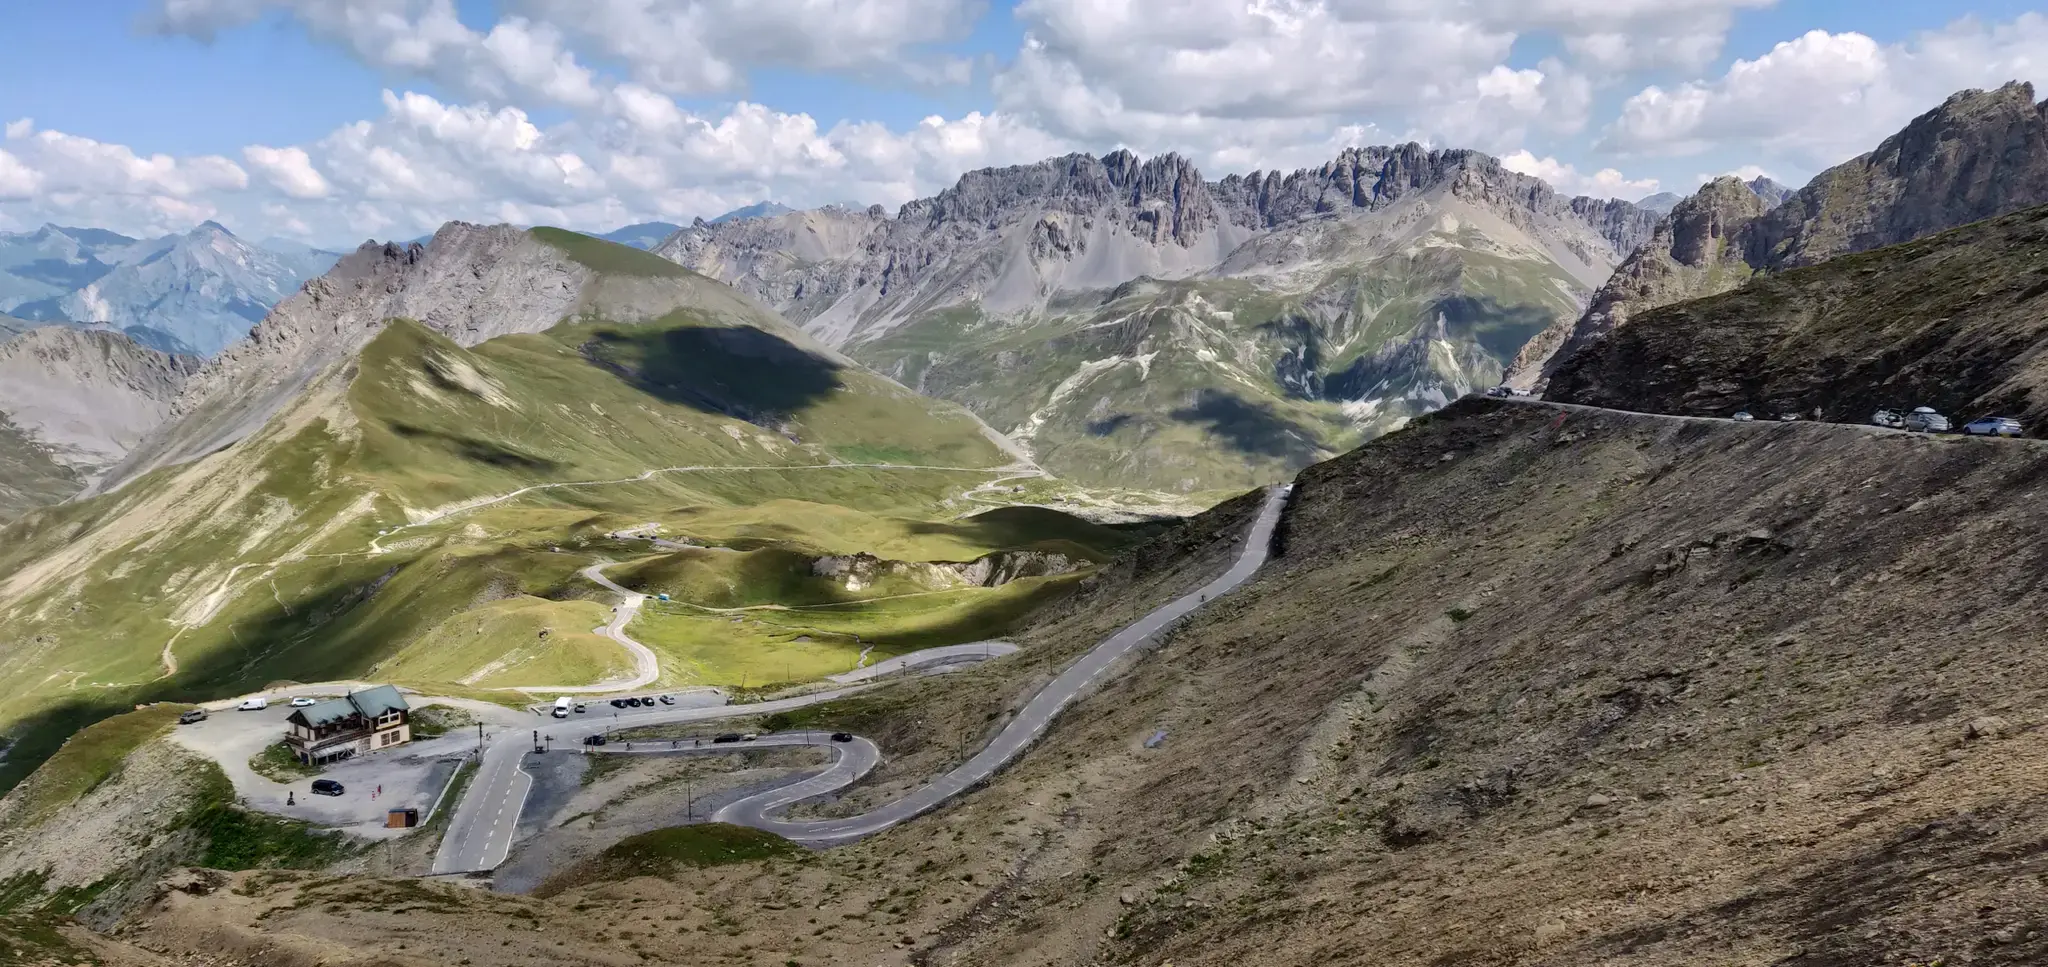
(1925, 420)
(1887, 418)
(1993, 426)
(1742, 416)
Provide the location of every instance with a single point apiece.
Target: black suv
(842, 737)
(326, 787)
(727, 737)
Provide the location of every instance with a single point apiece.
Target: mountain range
(1135, 324)
(194, 293)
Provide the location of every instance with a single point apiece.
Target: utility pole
(479, 743)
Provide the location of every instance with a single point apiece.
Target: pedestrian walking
(288, 800)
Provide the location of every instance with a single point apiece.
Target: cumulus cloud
(676, 46)
(1605, 183)
(289, 169)
(1826, 96)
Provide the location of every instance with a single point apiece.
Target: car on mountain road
(668, 700)
(1499, 391)
(326, 787)
(1924, 419)
(1889, 419)
(1742, 416)
(192, 715)
(253, 705)
(304, 702)
(725, 737)
(1993, 426)
(842, 737)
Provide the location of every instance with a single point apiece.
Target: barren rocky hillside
(1954, 321)
(1522, 689)
(1978, 155)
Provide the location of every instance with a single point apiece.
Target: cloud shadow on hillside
(1254, 429)
(736, 371)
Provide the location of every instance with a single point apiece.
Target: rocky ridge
(1978, 155)
(87, 396)
(1009, 239)
(1136, 324)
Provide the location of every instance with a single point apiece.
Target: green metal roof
(377, 701)
(370, 703)
(325, 713)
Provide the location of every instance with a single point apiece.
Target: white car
(302, 702)
(1742, 416)
(253, 705)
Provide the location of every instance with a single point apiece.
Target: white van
(253, 704)
(562, 707)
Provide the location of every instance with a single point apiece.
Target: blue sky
(806, 115)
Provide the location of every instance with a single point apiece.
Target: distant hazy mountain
(759, 209)
(1771, 192)
(39, 267)
(193, 293)
(190, 293)
(641, 235)
(1661, 202)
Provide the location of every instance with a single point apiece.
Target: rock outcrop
(1978, 155)
(1954, 321)
(1696, 250)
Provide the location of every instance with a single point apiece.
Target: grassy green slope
(28, 477)
(1232, 382)
(255, 563)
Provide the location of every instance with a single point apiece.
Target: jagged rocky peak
(1980, 154)
(1165, 195)
(1698, 226)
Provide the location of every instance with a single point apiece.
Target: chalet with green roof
(371, 720)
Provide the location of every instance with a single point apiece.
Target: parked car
(842, 737)
(1925, 420)
(579, 706)
(253, 705)
(1499, 391)
(1788, 417)
(618, 703)
(1742, 416)
(727, 737)
(1887, 418)
(192, 715)
(303, 702)
(593, 740)
(749, 737)
(1993, 426)
(326, 787)
(668, 700)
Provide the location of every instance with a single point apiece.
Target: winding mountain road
(1030, 723)
(487, 820)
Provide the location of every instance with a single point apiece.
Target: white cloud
(289, 169)
(676, 46)
(17, 180)
(20, 128)
(1605, 183)
(1823, 97)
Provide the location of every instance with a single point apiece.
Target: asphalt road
(929, 657)
(646, 667)
(1027, 727)
(483, 827)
